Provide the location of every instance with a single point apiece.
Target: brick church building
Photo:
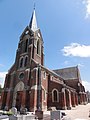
(29, 84)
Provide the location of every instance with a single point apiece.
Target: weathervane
(34, 4)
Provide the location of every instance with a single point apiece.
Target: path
(80, 112)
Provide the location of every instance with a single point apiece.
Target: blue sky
(65, 27)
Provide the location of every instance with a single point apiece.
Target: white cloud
(87, 4)
(2, 78)
(75, 49)
(86, 84)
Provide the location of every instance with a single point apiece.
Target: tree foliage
(1, 90)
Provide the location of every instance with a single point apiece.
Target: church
(29, 84)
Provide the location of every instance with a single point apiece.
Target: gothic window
(25, 61)
(21, 47)
(55, 95)
(30, 41)
(21, 62)
(38, 47)
(26, 45)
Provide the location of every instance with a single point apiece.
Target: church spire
(33, 22)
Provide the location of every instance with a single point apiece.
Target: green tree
(1, 89)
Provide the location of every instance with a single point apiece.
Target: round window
(21, 76)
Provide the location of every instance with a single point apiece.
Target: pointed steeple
(33, 22)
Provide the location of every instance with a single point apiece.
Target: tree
(1, 89)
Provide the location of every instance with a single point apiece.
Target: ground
(80, 112)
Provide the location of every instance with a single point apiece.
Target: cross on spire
(34, 5)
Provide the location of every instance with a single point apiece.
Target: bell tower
(30, 45)
(21, 76)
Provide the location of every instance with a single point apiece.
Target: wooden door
(18, 100)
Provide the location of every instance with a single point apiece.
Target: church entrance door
(19, 100)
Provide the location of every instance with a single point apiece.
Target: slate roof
(33, 22)
(69, 73)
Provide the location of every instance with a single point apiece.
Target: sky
(65, 27)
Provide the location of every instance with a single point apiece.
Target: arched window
(38, 47)
(55, 97)
(21, 62)
(25, 61)
(30, 41)
(26, 45)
